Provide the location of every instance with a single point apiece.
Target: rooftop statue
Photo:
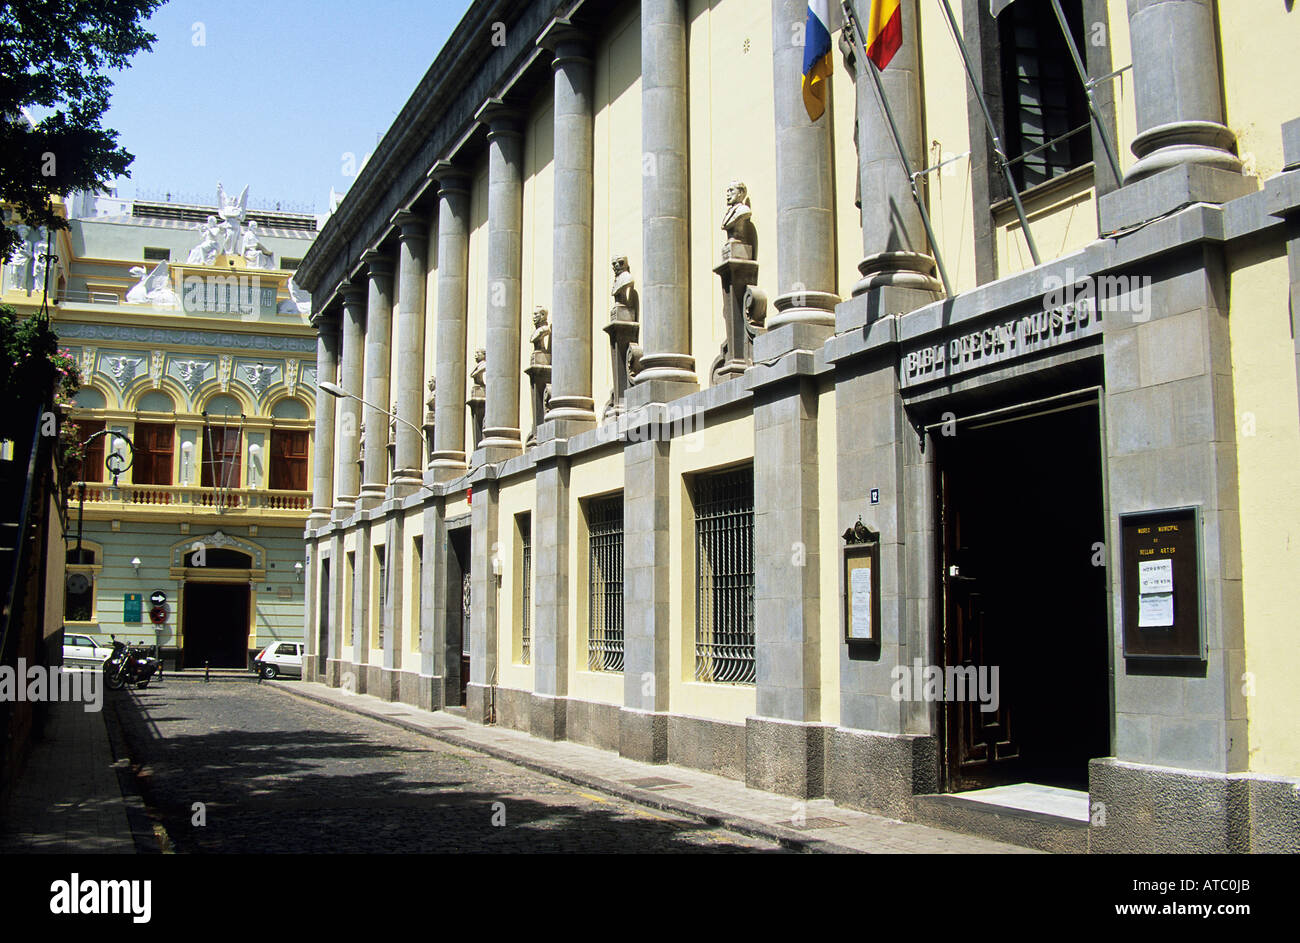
(254, 252)
(205, 253)
(154, 288)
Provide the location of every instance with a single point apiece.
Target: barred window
(605, 579)
(1047, 122)
(381, 596)
(724, 577)
(525, 524)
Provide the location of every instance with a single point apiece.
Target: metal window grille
(724, 580)
(605, 577)
(525, 591)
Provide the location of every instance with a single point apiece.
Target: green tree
(54, 55)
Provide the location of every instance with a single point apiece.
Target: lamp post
(333, 389)
(116, 462)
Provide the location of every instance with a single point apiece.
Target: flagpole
(1102, 131)
(870, 67)
(998, 154)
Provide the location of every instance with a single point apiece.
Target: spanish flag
(884, 31)
(824, 18)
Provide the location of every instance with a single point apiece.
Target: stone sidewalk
(816, 825)
(68, 798)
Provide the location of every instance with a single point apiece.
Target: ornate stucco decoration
(191, 373)
(260, 377)
(224, 367)
(156, 368)
(123, 369)
(291, 376)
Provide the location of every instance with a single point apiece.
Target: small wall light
(496, 566)
(297, 570)
(135, 565)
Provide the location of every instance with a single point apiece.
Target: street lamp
(333, 389)
(116, 462)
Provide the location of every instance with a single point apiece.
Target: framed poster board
(860, 586)
(1162, 608)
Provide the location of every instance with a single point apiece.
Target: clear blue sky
(276, 95)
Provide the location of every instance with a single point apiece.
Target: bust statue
(623, 292)
(736, 223)
(478, 375)
(541, 338)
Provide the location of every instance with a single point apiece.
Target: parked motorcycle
(127, 665)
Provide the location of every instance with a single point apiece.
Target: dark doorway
(216, 625)
(1024, 582)
(458, 638)
(323, 616)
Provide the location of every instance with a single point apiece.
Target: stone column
(484, 587)
(571, 401)
(1183, 147)
(501, 438)
(346, 477)
(327, 368)
(667, 365)
(647, 541)
(550, 600)
(896, 256)
(785, 742)
(805, 189)
(407, 469)
(379, 324)
(448, 457)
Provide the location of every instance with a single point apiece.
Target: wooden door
(288, 470)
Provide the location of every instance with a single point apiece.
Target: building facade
(198, 371)
(812, 487)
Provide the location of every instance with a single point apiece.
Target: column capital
(379, 263)
(568, 42)
(451, 177)
(413, 227)
(498, 117)
(325, 321)
(353, 293)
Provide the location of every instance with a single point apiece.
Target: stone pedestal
(737, 275)
(622, 334)
(539, 379)
(476, 404)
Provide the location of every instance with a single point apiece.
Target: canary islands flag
(884, 31)
(824, 18)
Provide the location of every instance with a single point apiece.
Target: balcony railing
(289, 503)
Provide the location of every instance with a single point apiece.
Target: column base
(487, 454)
(445, 466)
(318, 517)
(547, 716)
(899, 269)
(343, 509)
(371, 497)
(406, 483)
(1162, 193)
(643, 735)
(786, 757)
(881, 772)
(803, 307)
(646, 391)
(479, 706)
(553, 429)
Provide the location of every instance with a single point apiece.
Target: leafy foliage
(54, 55)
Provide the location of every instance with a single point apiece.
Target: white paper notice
(860, 596)
(1155, 610)
(1155, 576)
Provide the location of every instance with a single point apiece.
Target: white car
(82, 651)
(279, 658)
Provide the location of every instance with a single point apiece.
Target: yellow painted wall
(538, 238)
(1258, 43)
(412, 528)
(616, 181)
(828, 550)
(476, 318)
(514, 498)
(720, 442)
(947, 136)
(1268, 454)
(732, 129)
(1062, 221)
(592, 477)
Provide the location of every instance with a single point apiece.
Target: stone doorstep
(659, 799)
(1002, 814)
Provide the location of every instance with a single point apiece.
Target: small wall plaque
(1160, 552)
(860, 585)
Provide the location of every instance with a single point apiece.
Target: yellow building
(198, 369)
(939, 514)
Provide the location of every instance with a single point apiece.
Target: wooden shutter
(289, 460)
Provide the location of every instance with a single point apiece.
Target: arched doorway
(217, 610)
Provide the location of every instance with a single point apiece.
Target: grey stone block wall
(514, 709)
(1170, 442)
(786, 757)
(592, 723)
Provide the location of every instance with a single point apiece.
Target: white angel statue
(154, 288)
(205, 253)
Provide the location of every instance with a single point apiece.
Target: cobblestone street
(277, 774)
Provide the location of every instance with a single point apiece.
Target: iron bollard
(207, 665)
